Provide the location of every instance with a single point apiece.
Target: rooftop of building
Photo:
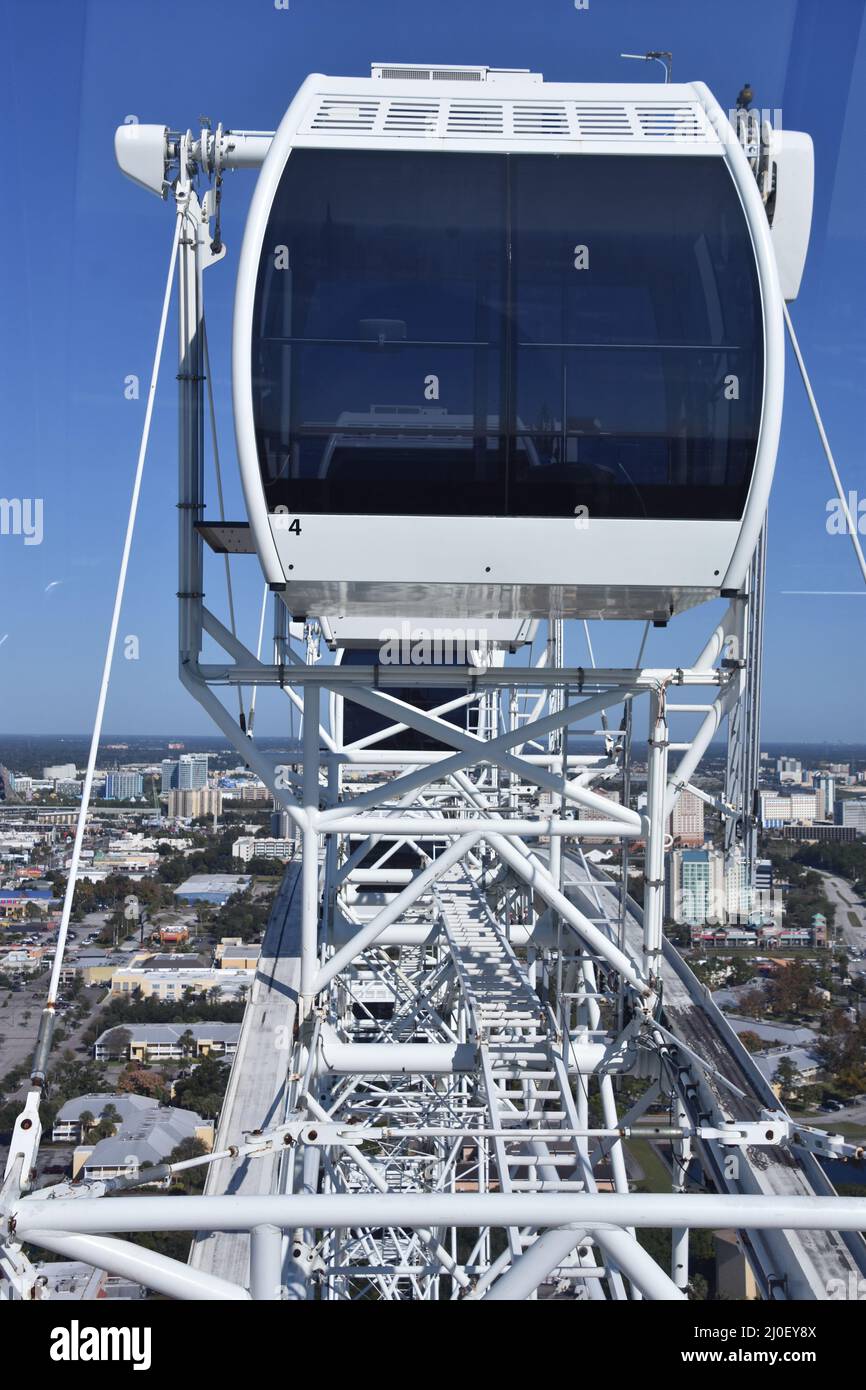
(800, 1058)
(96, 1103)
(213, 883)
(170, 960)
(173, 1032)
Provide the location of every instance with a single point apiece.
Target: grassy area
(852, 1129)
(853, 919)
(656, 1174)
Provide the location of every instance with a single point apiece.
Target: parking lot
(20, 1006)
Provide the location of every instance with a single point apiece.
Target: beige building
(734, 1276)
(94, 969)
(190, 805)
(587, 812)
(145, 1132)
(234, 954)
(783, 808)
(162, 977)
(249, 791)
(159, 1042)
(687, 819)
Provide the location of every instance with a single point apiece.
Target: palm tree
(111, 1116)
(785, 1077)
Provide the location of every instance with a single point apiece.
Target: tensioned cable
(46, 1026)
(252, 717)
(851, 523)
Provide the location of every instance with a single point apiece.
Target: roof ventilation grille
(412, 117)
(674, 122)
(344, 114)
(539, 120)
(475, 118)
(602, 121)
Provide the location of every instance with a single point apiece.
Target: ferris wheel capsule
(507, 352)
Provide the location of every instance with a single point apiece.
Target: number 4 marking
(282, 523)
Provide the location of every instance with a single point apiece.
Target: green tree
(785, 1077)
(116, 1042)
(190, 1180)
(204, 1089)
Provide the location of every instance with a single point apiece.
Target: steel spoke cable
(252, 714)
(46, 1027)
(825, 443)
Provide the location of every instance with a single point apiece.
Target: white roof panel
(507, 114)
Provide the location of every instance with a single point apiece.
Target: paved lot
(842, 896)
(19, 1021)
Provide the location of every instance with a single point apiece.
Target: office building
(825, 787)
(59, 770)
(588, 812)
(789, 808)
(192, 771)
(150, 977)
(68, 786)
(123, 786)
(812, 834)
(687, 819)
(249, 790)
(763, 875)
(282, 825)
(249, 847)
(789, 770)
(700, 887)
(188, 774)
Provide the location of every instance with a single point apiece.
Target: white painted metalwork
(613, 568)
(461, 1018)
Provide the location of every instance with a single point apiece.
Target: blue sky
(83, 255)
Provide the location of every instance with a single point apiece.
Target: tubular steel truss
(441, 1064)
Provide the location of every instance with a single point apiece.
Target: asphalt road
(842, 896)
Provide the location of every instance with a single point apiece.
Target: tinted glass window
(637, 361)
(359, 722)
(507, 335)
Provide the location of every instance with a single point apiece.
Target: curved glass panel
(507, 335)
